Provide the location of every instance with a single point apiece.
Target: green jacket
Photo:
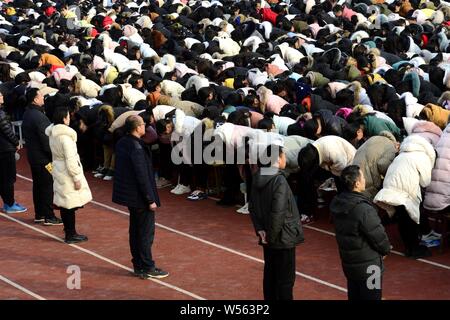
(373, 126)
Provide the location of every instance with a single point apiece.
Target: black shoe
(76, 238)
(418, 253)
(39, 220)
(54, 221)
(137, 273)
(155, 273)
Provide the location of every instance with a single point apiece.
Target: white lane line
(306, 276)
(23, 289)
(92, 253)
(436, 264)
(187, 235)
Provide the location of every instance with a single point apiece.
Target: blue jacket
(134, 181)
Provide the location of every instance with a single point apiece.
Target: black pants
(279, 273)
(7, 177)
(165, 162)
(68, 218)
(408, 229)
(358, 290)
(42, 192)
(142, 233)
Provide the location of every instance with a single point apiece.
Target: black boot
(72, 236)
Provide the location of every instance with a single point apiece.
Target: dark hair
(349, 176)
(31, 94)
(308, 159)
(239, 117)
(265, 124)
(59, 114)
(310, 129)
(160, 126)
(269, 154)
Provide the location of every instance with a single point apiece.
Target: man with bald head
(135, 187)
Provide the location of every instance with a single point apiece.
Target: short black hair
(31, 93)
(160, 125)
(349, 176)
(59, 114)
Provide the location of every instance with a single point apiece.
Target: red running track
(210, 251)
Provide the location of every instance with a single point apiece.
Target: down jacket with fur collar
(67, 168)
(409, 171)
(437, 196)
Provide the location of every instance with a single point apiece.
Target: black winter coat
(134, 182)
(318, 103)
(273, 209)
(360, 235)
(331, 124)
(33, 127)
(8, 140)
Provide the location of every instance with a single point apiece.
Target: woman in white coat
(71, 190)
(401, 194)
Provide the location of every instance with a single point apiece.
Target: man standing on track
(40, 157)
(362, 240)
(135, 187)
(277, 223)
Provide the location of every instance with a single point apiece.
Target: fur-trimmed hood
(61, 130)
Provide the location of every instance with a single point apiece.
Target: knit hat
(302, 90)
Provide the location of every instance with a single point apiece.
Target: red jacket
(269, 15)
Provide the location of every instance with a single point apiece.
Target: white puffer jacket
(335, 153)
(67, 168)
(409, 171)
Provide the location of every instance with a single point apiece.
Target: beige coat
(374, 158)
(67, 168)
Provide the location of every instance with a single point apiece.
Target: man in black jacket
(39, 157)
(9, 144)
(276, 221)
(361, 238)
(135, 187)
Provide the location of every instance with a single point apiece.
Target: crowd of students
(336, 83)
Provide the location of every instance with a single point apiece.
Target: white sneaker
(244, 209)
(175, 189)
(431, 236)
(182, 190)
(162, 183)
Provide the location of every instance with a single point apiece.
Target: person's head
(1, 99)
(35, 96)
(135, 125)
(308, 159)
(354, 133)
(337, 10)
(353, 179)
(272, 156)
(164, 127)
(313, 128)
(266, 124)
(61, 115)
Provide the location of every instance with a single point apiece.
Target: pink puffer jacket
(437, 195)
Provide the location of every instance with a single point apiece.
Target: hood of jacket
(61, 130)
(416, 143)
(345, 202)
